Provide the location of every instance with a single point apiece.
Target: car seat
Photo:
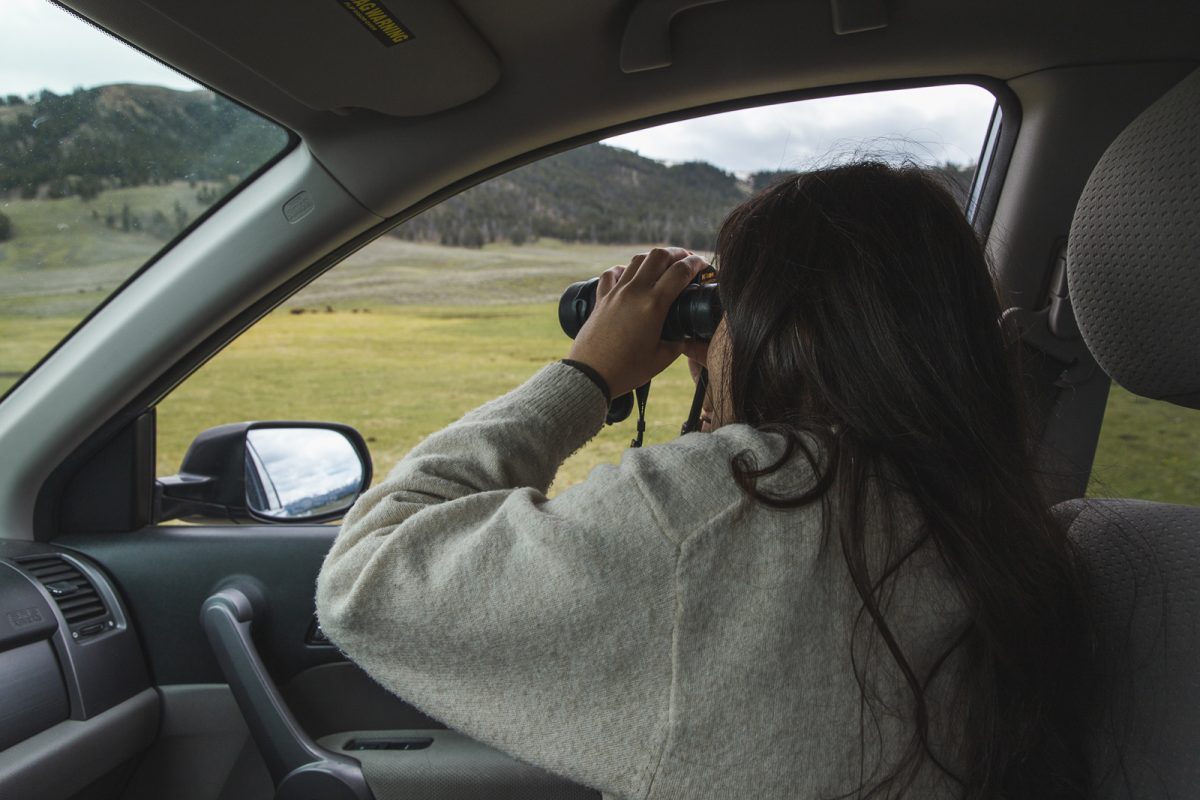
(1133, 271)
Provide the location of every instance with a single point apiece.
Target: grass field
(1148, 449)
(400, 373)
(395, 374)
(403, 338)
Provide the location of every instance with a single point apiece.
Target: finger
(657, 262)
(678, 275)
(649, 265)
(608, 280)
(631, 271)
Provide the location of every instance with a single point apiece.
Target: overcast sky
(43, 47)
(306, 462)
(944, 123)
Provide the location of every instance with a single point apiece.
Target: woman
(850, 587)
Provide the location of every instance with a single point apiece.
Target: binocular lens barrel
(695, 314)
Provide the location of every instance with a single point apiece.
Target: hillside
(126, 135)
(115, 138)
(602, 195)
(596, 194)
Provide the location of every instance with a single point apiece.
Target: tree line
(90, 140)
(603, 195)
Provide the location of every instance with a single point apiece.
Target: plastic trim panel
(92, 748)
(455, 766)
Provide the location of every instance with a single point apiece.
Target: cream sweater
(649, 632)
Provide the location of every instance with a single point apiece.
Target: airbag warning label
(379, 20)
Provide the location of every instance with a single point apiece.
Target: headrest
(1133, 257)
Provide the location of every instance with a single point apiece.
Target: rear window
(1148, 449)
(105, 156)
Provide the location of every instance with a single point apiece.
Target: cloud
(944, 123)
(44, 47)
(306, 462)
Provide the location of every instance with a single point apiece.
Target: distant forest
(604, 195)
(82, 143)
(126, 135)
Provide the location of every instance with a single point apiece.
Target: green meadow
(1148, 449)
(402, 339)
(396, 374)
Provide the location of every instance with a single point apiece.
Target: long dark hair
(861, 314)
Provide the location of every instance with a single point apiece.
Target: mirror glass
(299, 473)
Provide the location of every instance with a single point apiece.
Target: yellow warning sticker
(379, 20)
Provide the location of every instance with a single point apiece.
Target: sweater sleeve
(541, 627)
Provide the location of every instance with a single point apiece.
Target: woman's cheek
(719, 402)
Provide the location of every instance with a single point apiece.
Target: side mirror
(297, 472)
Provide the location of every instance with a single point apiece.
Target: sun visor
(399, 57)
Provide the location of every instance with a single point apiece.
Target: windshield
(105, 157)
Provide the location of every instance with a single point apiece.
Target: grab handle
(299, 767)
(646, 44)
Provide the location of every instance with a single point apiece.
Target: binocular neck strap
(641, 393)
(692, 424)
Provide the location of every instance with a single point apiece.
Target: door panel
(205, 749)
(341, 697)
(166, 573)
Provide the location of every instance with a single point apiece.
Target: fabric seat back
(1133, 270)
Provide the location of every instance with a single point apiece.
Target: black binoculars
(695, 314)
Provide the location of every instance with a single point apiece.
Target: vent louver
(72, 591)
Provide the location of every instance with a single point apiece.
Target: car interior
(144, 660)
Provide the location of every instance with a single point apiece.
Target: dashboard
(76, 702)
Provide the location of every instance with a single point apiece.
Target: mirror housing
(232, 475)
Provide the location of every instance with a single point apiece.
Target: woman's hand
(621, 339)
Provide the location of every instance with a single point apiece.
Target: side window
(1148, 449)
(458, 305)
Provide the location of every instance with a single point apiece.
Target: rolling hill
(122, 136)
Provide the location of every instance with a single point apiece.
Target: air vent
(74, 593)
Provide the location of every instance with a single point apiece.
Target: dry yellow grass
(447, 329)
